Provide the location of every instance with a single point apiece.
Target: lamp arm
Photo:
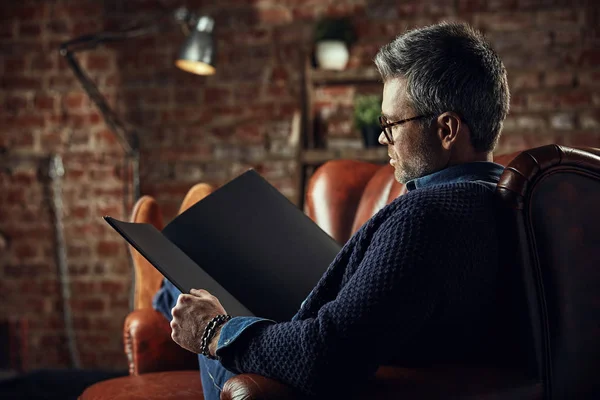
(128, 139)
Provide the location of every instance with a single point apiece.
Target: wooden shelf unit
(310, 157)
(320, 156)
(349, 76)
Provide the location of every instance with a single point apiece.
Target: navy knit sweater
(409, 288)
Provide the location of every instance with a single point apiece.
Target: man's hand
(191, 314)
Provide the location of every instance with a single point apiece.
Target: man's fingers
(184, 298)
(199, 292)
(174, 331)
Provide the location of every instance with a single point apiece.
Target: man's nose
(382, 139)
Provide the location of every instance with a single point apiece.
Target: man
(413, 285)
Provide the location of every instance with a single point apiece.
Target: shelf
(319, 156)
(355, 75)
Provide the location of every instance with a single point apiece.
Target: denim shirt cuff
(235, 327)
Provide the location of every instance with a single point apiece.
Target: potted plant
(367, 109)
(333, 36)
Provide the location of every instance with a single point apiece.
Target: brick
(590, 120)
(340, 91)
(567, 37)
(14, 65)
(589, 58)
(574, 99)
(58, 82)
(27, 270)
(114, 287)
(112, 210)
(44, 62)
(84, 286)
(562, 121)
(504, 21)
(589, 78)
(98, 62)
(558, 17)
(28, 12)
(18, 83)
(502, 5)
(79, 212)
(542, 101)
(535, 4)
(85, 27)
(556, 79)
(78, 251)
(51, 141)
(88, 305)
(44, 102)
(510, 143)
(79, 269)
(30, 30)
(94, 117)
(76, 10)
(524, 80)
(24, 121)
(306, 13)
(106, 138)
(108, 249)
(7, 30)
(15, 103)
(25, 251)
(52, 340)
(442, 8)
(530, 122)
(591, 139)
(107, 192)
(57, 27)
(274, 15)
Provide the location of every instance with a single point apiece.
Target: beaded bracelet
(209, 332)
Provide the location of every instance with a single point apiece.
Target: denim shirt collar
(484, 171)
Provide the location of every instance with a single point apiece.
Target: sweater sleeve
(388, 297)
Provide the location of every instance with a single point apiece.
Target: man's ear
(449, 128)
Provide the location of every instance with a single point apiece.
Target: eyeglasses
(386, 126)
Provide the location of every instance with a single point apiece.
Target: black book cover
(245, 243)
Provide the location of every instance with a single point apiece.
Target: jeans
(212, 373)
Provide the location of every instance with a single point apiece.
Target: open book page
(257, 244)
(173, 263)
(246, 243)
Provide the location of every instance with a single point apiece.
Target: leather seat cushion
(180, 385)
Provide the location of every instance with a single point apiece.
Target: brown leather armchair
(548, 309)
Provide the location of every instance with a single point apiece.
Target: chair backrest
(553, 195)
(343, 194)
(147, 278)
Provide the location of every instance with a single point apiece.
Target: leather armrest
(255, 387)
(149, 347)
(406, 383)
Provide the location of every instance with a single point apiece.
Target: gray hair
(451, 67)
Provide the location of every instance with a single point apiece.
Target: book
(245, 243)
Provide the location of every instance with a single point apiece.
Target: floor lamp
(197, 55)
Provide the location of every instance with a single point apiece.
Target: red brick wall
(211, 128)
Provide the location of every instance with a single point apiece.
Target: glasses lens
(387, 130)
(388, 134)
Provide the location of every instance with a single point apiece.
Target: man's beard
(420, 163)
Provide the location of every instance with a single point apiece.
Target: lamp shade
(197, 55)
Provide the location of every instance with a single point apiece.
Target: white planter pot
(332, 54)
